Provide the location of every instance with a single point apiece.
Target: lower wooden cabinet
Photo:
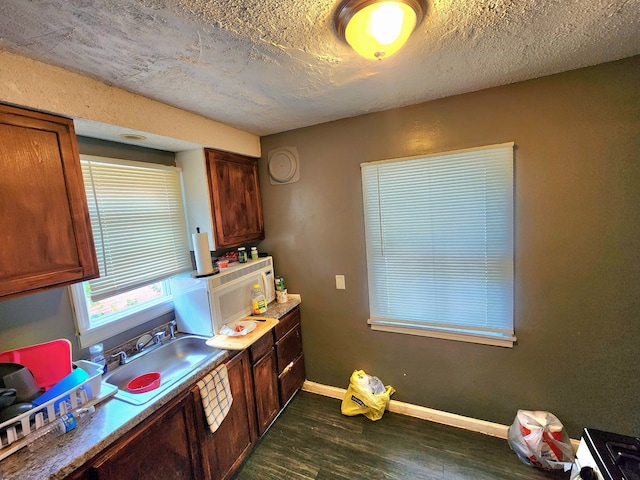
(291, 371)
(226, 448)
(175, 442)
(265, 382)
(165, 446)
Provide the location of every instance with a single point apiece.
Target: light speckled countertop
(112, 419)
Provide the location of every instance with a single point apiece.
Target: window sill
(426, 331)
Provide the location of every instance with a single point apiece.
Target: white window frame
(386, 272)
(118, 322)
(115, 323)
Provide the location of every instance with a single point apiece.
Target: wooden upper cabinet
(45, 230)
(235, 198)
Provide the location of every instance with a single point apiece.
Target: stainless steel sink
(174, 360)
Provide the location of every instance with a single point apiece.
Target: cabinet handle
(287, 368)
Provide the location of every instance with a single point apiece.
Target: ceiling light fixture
(377, 29)
(133, 136)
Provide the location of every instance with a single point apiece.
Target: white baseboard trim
(424, 413)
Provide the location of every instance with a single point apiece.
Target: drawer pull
(287, 368)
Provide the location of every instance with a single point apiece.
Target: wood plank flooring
(312, 440)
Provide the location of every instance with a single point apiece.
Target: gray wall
(577, 312)
(45, 316)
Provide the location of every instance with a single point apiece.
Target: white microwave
(204, 305)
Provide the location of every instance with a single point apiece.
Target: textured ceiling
(271, 66)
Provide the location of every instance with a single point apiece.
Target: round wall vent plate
(284, 166)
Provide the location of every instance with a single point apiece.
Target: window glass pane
(120, 303)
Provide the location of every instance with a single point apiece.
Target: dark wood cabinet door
(227, 447)
(45, 231)
(265, 381)
(165, 446)
(235, 198)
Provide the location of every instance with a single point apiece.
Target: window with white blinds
(439, 241)
(139, 230)
(137, 218)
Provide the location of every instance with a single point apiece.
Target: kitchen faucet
(156, 339)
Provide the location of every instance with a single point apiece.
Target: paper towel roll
(202, 253)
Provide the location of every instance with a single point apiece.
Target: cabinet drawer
(287, 322)
(291, 379)
(289, 347)
(261, 347)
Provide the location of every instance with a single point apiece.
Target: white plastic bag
(539, 439)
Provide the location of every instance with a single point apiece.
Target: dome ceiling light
(377, 29)
(133, 136)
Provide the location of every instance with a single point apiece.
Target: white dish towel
(216, 396)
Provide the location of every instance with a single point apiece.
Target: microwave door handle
(267, 287)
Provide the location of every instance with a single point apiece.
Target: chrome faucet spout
(156, 339)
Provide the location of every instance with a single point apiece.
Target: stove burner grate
(626, 456)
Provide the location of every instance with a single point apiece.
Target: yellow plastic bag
(366, 395)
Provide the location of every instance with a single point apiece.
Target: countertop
(112, 419)
(241, 342)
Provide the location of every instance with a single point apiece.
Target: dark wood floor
(312, 440)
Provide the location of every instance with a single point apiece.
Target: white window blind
(137, 217)
(439, 240)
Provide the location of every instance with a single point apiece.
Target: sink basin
(173, 360)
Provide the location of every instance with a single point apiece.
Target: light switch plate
(340, 285)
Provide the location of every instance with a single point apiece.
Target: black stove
(617, 457)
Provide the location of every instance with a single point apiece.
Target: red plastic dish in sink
(144, 383)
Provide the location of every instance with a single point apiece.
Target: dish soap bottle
(258, 302)
(96, 353)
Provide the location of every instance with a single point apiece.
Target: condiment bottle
(258, 302)
(242, 255)
(254, 253)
